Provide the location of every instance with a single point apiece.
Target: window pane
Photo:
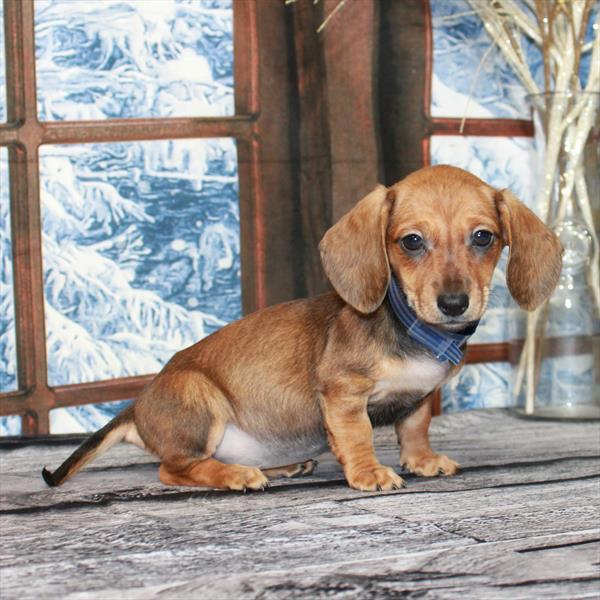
(141, 253)
(10, 425)
(500, 161)
(99, 59)
(478, 386)
(459, 44)
(81, 419)
(503, 163)
(2, 68)
(8, 355)
(463, 68)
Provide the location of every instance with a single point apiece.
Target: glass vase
(555, 350)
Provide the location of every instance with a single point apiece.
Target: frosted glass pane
(81, 419)
(10, 425)
(478, 386)
(141, 253)
(2, 68)
(500, 161)
(99, 59)
(459, 43)
(8, 355)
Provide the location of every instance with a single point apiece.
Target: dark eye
(412, 242)
(482, 238)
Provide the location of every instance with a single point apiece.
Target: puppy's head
(440, 231)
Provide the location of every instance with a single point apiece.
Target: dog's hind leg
(296, 470)
(181, 417)
(214, 474)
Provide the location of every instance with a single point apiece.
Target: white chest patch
(399, 376)
(237, 446)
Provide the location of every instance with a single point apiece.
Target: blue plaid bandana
(445, 345)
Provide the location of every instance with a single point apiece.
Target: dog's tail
(98, 443)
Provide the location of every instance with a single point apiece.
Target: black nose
(453, 304)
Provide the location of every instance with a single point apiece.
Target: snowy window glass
(107, 59)
(141, 253)
(470, 73)
(8, 356)
(87, 417)
(8, 362)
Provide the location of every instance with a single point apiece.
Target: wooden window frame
(258, 137)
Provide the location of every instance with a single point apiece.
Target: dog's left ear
(353, 252)
(535, 257)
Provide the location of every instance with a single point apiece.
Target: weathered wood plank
(536, 452)
(502, 513)
(323, 546)
(27, 493)
(520, 521)
(151, 544)
(403, 575)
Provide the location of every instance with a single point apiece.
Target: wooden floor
(520, 521)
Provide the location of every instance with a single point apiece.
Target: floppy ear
(535, 257)
(354, 255)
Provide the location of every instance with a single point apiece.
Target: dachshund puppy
(411, 266)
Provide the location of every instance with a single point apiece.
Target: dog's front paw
(429, 465)
(375, 478)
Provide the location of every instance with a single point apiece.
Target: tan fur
(351, 438)
(415, 452)
(535, 252)
(112, 438)
(212, 473)
(361, 235)
(444, 205)
(310, 372)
